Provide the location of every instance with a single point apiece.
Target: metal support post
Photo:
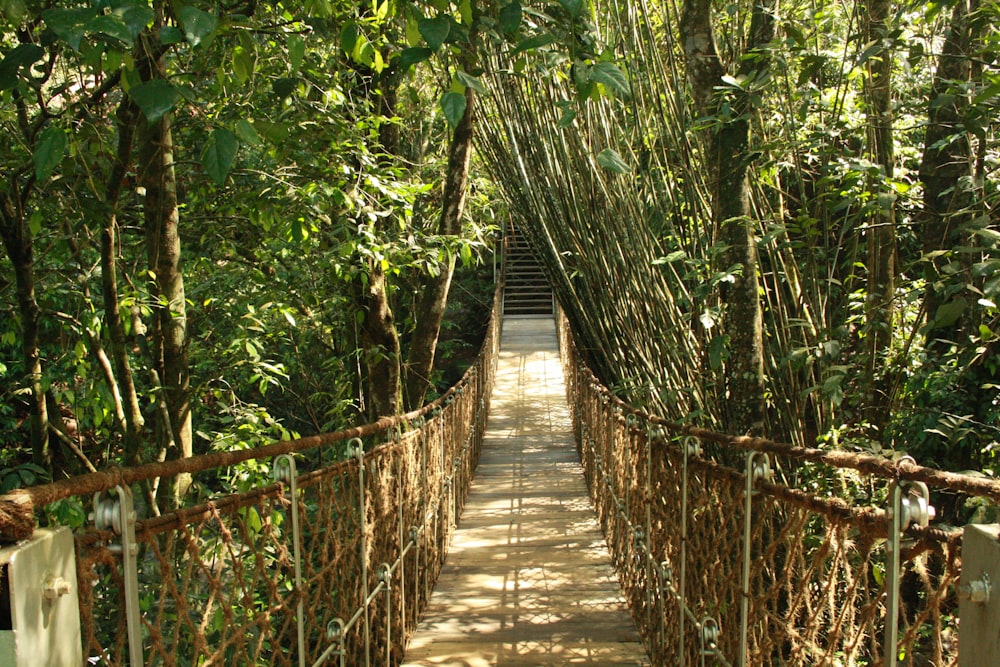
(118, 515)
(978, 603)
(39, 594)
(691, 447)
(385, 578)
(286, 473)
(758, 467)
(358, 451)
(909, 504)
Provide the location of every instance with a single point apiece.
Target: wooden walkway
(528, 580)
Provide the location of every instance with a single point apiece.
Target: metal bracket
(909, 504)
(118, 515)
(976, 590)
(692, 446)
(709, 636)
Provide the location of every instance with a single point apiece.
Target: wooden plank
(528, 580)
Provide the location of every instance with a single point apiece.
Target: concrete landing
(528, 580)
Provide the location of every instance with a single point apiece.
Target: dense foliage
(229, 222)
(194, 196)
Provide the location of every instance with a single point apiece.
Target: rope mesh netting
(675, 518)
(216, 582)
(780, 570)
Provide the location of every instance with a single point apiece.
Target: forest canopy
(225, 223)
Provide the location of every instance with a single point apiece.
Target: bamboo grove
(770, 217)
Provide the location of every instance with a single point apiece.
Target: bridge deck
(528, 580)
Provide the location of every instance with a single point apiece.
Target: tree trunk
(379, 344)
(169, 328)
(730, 150)
(127, 117)
(20, 248)
(434, 299)
(882, 227)
(946, 172)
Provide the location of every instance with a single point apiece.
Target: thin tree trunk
(169, 329)
(379, 344)
(20, 249)
(434, 299)
(881, 234)
(127, 118)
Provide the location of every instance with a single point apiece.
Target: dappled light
(528, 576)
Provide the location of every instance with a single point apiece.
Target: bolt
(55, 588)
(977, 590)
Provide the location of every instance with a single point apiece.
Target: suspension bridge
(526, 517)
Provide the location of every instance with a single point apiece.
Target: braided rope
(817, 589)
(216, 580)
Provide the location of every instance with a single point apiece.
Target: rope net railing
(742, 551)
(330, 566)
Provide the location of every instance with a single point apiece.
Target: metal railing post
(286, 473)
(118, 515)
(758, 467)
(909, 504)
(691, 447)
(358, 451)
(385, 578)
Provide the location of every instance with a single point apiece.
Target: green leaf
(198, 25)
(155, 98)
(35, 222)
(470, 82)
(242, 64)
(535, 42)
(718, 351)
(412, 56)
(732, 81)
(572, 7)
(23, 55)
(611, 78)
(510, 17)
(948, 313)
(50, 151)
(112, 26)
(453, 105)
(137, 17)
(611, 160)
(171, 35)
(567, 117)
(219, 154)
(434, 31)
(296, 51)
(276, 132)
(68, 24)
(247, 133)
(284, 87)
(349, 36)
(412, 31)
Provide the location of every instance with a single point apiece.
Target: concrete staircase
(527, 292)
